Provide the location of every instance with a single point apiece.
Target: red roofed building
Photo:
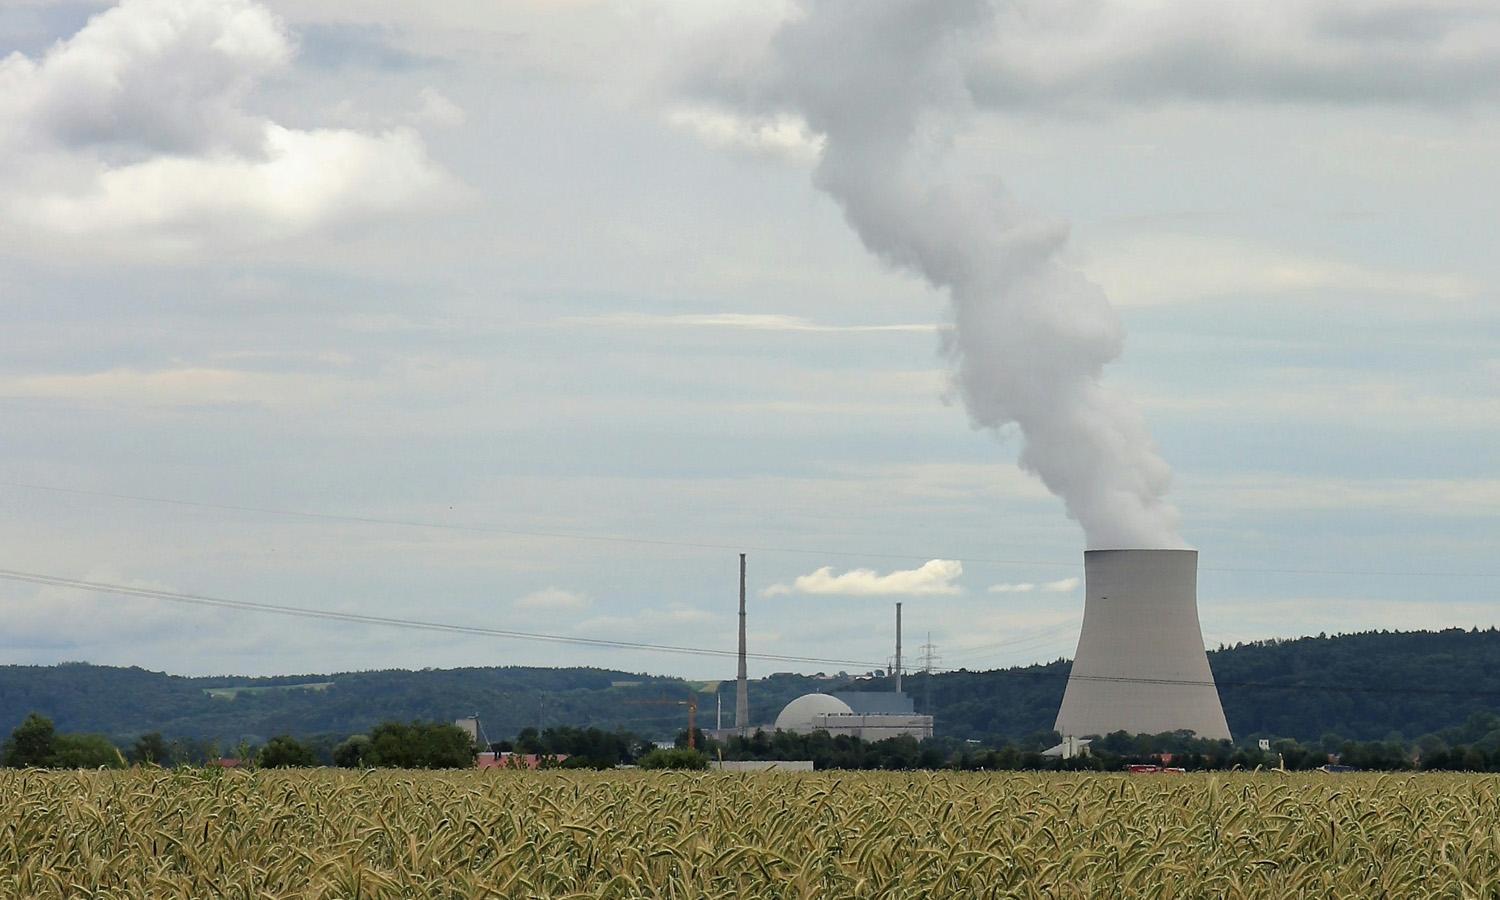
(516, 760)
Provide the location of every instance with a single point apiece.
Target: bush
(676, 758)
(86, 751)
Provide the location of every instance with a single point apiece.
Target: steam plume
(882, 82)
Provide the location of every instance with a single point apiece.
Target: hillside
(1362, 686)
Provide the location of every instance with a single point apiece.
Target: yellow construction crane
(692, 708)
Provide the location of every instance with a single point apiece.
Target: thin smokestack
(898, 647)
(742, 686)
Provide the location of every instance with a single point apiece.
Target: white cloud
(1021, 587)
(932, 577)
(553, 598)
(781, 135)
(305, 180)
(1159, 268)
(655, 624)
(137, 128)
(1061, 586)
(439, 109)
(743, 321)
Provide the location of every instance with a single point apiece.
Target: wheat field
(331, 833)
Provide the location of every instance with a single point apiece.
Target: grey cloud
(1098, 53)
(172, 88)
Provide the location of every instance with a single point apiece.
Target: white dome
(798, 715)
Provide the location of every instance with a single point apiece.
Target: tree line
(1472, 746)
(1364, 687)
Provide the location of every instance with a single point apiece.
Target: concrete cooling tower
(1140, 665)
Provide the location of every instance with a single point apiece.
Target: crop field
(331, 833)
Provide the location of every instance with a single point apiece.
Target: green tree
(353, 752)
(33, 743)
(284, 752)
(151, 750)
(421, 745)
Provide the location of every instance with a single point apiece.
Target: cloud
(347, 45)
(780, 135)
(439, 110)
(1281, 492)
(165, 76)
(1160, 268)
(1061, 586)
(306, 180)
(59, 616)
(738, 321)
(553, 598)
(1246, 619)
(1022, 587)
(1107, 52)
(191, 386)
(676, 619)
(139, 127)
(1349, 396)
(932, 577)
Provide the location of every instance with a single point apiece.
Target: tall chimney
(742, 687)
(898, 646)
(1140, 665)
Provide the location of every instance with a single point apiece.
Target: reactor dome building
(1140, 665)
(868, 715)
(802, 714)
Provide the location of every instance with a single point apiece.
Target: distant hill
(1365, 686)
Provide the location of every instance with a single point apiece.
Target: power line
(487, 528)
(418, 624)
(395, 622)
(1044, 633)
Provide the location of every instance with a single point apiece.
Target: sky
(529, 316)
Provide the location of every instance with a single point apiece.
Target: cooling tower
(1140, 665)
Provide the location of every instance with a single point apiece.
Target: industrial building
(868, 715)
(1140, 665)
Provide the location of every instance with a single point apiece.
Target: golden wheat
(327, 833)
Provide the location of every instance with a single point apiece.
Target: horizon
(853, 676)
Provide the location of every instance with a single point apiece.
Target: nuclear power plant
(869, 715)
(1140, 665)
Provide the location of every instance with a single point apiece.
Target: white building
(867, 715)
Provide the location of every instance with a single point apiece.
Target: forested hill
(1360, 686)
